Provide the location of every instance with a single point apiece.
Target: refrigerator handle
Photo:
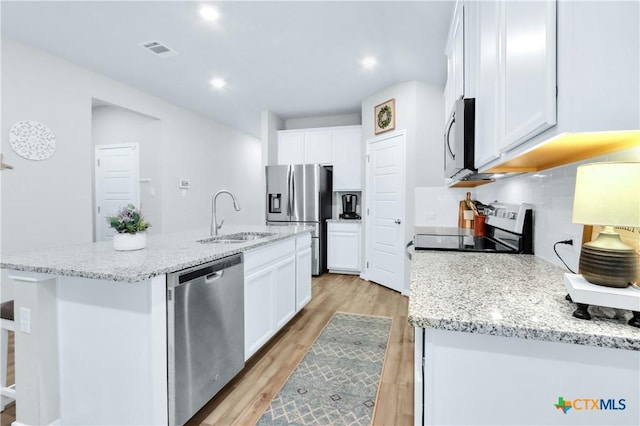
(292, 191)
(289, 195)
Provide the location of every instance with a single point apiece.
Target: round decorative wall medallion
(32, 140)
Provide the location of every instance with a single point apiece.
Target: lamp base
(608, 261)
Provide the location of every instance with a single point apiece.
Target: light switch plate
(25, 320)
(184, 183)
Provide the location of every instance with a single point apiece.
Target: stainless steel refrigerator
(301, 194)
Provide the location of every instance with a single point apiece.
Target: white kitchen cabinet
(269, 292)
(347, 159)
(343, 247)
(304, 147)
(290, 147)
(277, 284)
(527, 70)
(337, 146)
(512, 50)
(284, 284)
(486, 44)
(303, 271)
(597, 79)
(454, 88)
(317, 147)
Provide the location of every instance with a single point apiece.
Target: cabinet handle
(397, 221)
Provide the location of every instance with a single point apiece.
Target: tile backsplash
(550, 191)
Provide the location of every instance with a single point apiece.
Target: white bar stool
(7, 393)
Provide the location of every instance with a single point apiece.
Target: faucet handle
(221, 222)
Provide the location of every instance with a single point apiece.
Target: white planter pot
(125, 242)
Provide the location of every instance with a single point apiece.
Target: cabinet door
(258, 310)
(528, 70)
(454, 88)
(317, 147)
(487, 89)
(290, 147)
(343, 250)
(347, 160)
(303, 278)
(284, 285)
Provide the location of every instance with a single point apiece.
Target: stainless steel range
(509, 229)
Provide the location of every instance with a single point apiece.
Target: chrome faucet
(214, 217)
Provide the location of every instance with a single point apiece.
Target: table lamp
(608, 194)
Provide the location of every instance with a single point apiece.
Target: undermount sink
(240, 237)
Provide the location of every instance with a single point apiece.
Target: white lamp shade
(608, 194)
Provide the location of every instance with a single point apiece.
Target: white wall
(113, 125)
(271, 123)
(49, 203)
(323, 121)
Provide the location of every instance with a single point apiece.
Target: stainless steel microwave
(459, 140)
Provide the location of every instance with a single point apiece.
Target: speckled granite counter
(164, 254)
(344, 220)
(506, 295)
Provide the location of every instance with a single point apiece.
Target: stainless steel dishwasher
(205, 326)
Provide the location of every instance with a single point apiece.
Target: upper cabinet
(454, 88)
(340, 147)
(511, 53)
(347, 159)
(542, 70)
(527, 70)
(304, 147)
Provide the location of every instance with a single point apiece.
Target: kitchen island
(499, 345)
(95, 349)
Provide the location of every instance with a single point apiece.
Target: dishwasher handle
(209, 270)
(213, 277)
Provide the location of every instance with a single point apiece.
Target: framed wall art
(384, 116)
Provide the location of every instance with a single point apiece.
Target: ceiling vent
(159, 49)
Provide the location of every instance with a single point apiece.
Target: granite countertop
(344, 220)
(507, 295)
(164, 254)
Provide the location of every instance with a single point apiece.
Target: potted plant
(130, 227)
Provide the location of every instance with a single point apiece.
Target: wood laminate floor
(244, 399)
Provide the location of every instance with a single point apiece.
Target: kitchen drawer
(344, 227)
(262, 256)
(303, 241)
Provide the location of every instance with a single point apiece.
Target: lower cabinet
(277, 284)
(303, 271)
(343, 247)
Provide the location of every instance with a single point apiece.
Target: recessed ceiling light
(218, 83)
(209, 13)
(369, 62)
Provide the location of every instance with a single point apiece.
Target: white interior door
(385, 218)
(117, 184)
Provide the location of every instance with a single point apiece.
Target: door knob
(397, 221)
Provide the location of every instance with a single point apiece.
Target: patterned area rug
(337, 381)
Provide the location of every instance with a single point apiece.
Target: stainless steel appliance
(349, 204)
(205, 323)
(301, 194)
(459, 142)
(508, 227)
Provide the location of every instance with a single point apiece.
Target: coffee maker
(349, 203)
